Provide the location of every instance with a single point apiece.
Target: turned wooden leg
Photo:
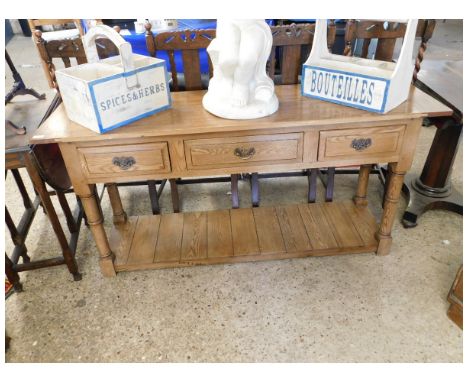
(174, 195)
(235, 190)
(116, 203)
(95, 221)
(360, 199)
(392, 196)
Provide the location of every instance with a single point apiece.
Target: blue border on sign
(384, 102)
(92, 83)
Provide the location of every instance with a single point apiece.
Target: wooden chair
(291, 47)
(187, 44)
(38, 24)
(68, 51)
(385, 34)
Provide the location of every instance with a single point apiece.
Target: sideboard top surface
(187, 116)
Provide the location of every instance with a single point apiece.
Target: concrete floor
(353, 308)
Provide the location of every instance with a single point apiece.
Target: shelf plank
(169, 238)
(269, 233)
(366, 228)
(344, 231)
(194, 237)
(244, 233)
(219, 234)
(317, 227)
(144, 240)
(293, 229)
(121, 238)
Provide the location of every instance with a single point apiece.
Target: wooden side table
(432, 189)
(18, 154)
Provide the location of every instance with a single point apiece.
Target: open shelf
(240, 235)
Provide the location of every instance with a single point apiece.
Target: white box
(372, 85)
(106, 94)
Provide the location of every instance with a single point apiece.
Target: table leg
(40, 187)
(360, 199)
(116, 203)
(392, 196)
(95, 221)
(433, 189)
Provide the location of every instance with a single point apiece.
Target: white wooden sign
(345, 88)
(103, 95)
(372, 85)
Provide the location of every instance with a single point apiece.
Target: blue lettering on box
(345, 88)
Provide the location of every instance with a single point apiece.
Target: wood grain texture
(144, 239)
(219, 234)
(121, 239)
(169, 242)
(148, 158)
(219, 152)
(318, 229)
(234, 236)
(244, 233)
(385, 142)
(293, 229)
(345, 234)
(367, 227)
(269, 234)
(187, 116)
(194, 237)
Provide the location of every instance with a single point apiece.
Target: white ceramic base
(255, 109)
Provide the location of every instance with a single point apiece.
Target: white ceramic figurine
(240, 87)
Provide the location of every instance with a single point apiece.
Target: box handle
(124, 47)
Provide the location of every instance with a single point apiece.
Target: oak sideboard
(187, 141)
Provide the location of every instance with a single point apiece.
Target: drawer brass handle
(123, 162)
(244, 153)
(360, 144)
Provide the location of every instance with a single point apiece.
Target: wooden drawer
(125, 160)
(239, 151)
(382, 143)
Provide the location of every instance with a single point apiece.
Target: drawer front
(239, 151)
(382, 143)
(126, 160)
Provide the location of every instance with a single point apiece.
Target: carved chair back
(189, 44)
(35, 23)
(386, 34)
(67, 49)
(290, 49)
